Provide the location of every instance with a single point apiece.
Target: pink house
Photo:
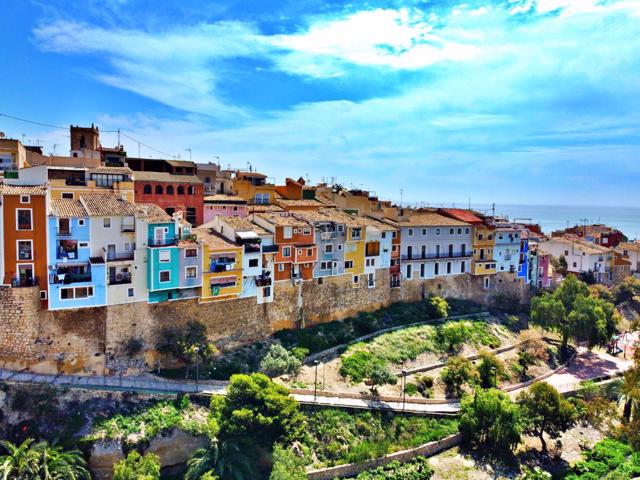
(225, 206)
(545, 270)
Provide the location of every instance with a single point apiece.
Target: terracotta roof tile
(152, 213)
(425, 219)
(107, 205)
(165, 177)
(23, 189)
(67, 208)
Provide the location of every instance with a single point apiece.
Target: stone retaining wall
(353, 469)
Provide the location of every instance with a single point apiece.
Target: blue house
(523, 265)
(76, 279)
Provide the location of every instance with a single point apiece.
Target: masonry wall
(94, 340)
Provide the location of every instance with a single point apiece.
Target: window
(370, 262)
(170, 190)
(299, 252)
(127, 246)
(575, 265)
(371, 280)
(451, 230)
(448, 267)
(339, 247)
(25, 250)
(410, 232)
(159, 190)
(84, 292)
(566, 253)
(23, 219)
(25, 199)
(325, 265)
(466, 231)
(165, 276)
(81, 222)
(191, 272)
(348, 264)
(356, 279)
(164, 256)
(422, 268)
(191, 190)
(83, 244)
(309, 252)
(78, 292)
(340, 228)
(261, 198)
(131, 292)
(480, 236)
(147, 189)
(463, 267)
(487, 283)
(67, 195)
(409, 272)
(281, 267)
(437, 231)
(287, 232)
(306, 231)
(394, 235)
(436, 269)
(490, 236)
(180, 190)
(384, 234)
(286, 251)
(191, 252)
(253, 262)
(43, 294)
(106, 222)
(66, 293)
(424, 232)
(459, 231)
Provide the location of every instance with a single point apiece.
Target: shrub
(181, 341)
(436, 307)
(424, 385)
(456, 373)
(608, 459)
(380, 375)
(491, 420)
(300, 353)
(137, 467)
(505, 303)
(366, 323)
(357, 365)
(490, 369)
(133, 346)
(279, 361)
(417, 469)
(287, 465)
(411, 389)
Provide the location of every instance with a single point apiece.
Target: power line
(103, 131)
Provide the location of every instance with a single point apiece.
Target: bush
(608, 459)
(424, 385)
(133, 346)
(137, 467)
(417, 469)
(366, 323)
(490, 369)
(181, 342)
(411, 389)
(436, 307)
(380, 375)
(279, 361)
(300, 353)
(357, 365)
(456, 373)
(505, 303)
(490, 420)
(287, 465)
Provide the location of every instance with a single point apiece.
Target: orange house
(24, 221)
(297, 252)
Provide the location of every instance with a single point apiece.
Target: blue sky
(517, 101)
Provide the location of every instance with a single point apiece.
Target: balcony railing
(128, 228)
(163, 242)
(270, 249)
(252, 248)
(328, 235)
(67, 278)
(24, 282)
(121, 279)
(68, 255)
(63, 232)
(437, 256)
(119, 256)
(263, 280)
(75, 182)
(219, 267)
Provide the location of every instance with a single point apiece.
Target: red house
(173, 185)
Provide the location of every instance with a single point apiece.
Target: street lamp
(404, 389)
(197, 350)
(315, 383)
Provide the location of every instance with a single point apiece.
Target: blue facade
(523, 266)
(163, 262)
(74, 280)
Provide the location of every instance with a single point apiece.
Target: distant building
(630, 251)
(225, 206)
(581, 256)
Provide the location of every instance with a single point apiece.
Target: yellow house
(354, 246)
(13, 156)
(253, 187)
(221, 265)
(484, 241)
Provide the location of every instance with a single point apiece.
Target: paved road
(586, 366)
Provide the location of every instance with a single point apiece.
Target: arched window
(192, 190)
(147, 190)
(207, 179)
(180, 190)
(159, 190)
(170, 190)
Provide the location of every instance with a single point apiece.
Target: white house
(581, 256)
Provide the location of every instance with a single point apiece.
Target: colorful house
(224, 206)
(297, 252)
(24, 239)
(222, 265)
(507, 248)
(378, 247)
(76, 279)
(254, 188)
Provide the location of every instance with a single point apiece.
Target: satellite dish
(2, 135)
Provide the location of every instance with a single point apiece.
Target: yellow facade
(212, 291)
(484, 241)
(355, 250)
(58, 186)
(246, 189)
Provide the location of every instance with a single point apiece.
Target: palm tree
(228, 461)
(41, 461)
(202, 461)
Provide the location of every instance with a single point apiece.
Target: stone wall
(94, 340)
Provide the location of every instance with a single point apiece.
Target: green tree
(137, 467)
(546, 411)
(626, 290)
(29, 461)
(592, 320)
(287, 465)
(456, 373)
(490, 420)
(228, 461)
(182, 341)
(436, 307)
(379, 374)
(279, 361)
(490, 369)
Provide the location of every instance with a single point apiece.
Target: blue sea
(550, 218)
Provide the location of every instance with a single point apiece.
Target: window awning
(222, 280)
(247, 235)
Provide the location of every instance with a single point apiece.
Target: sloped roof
(221, 198)
(283, 220)
(463, 215)
(240, 224)
(112, 170)
(67, 208)
(213, 239)
(22, 189)
(107, 205)
(152, 213)
(141, 176)
(428, 219)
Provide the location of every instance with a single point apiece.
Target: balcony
(75, 182)
(252, 248)
(128, 227)
(120, 279)
(263, 280)
(67, 255)
(270, 249)
(163, 242)
(328, 235)
(67, 278)
(63, 232)
(120, 256)
(438, 256)
(24, 282)
(327, 255)
(221, 266)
